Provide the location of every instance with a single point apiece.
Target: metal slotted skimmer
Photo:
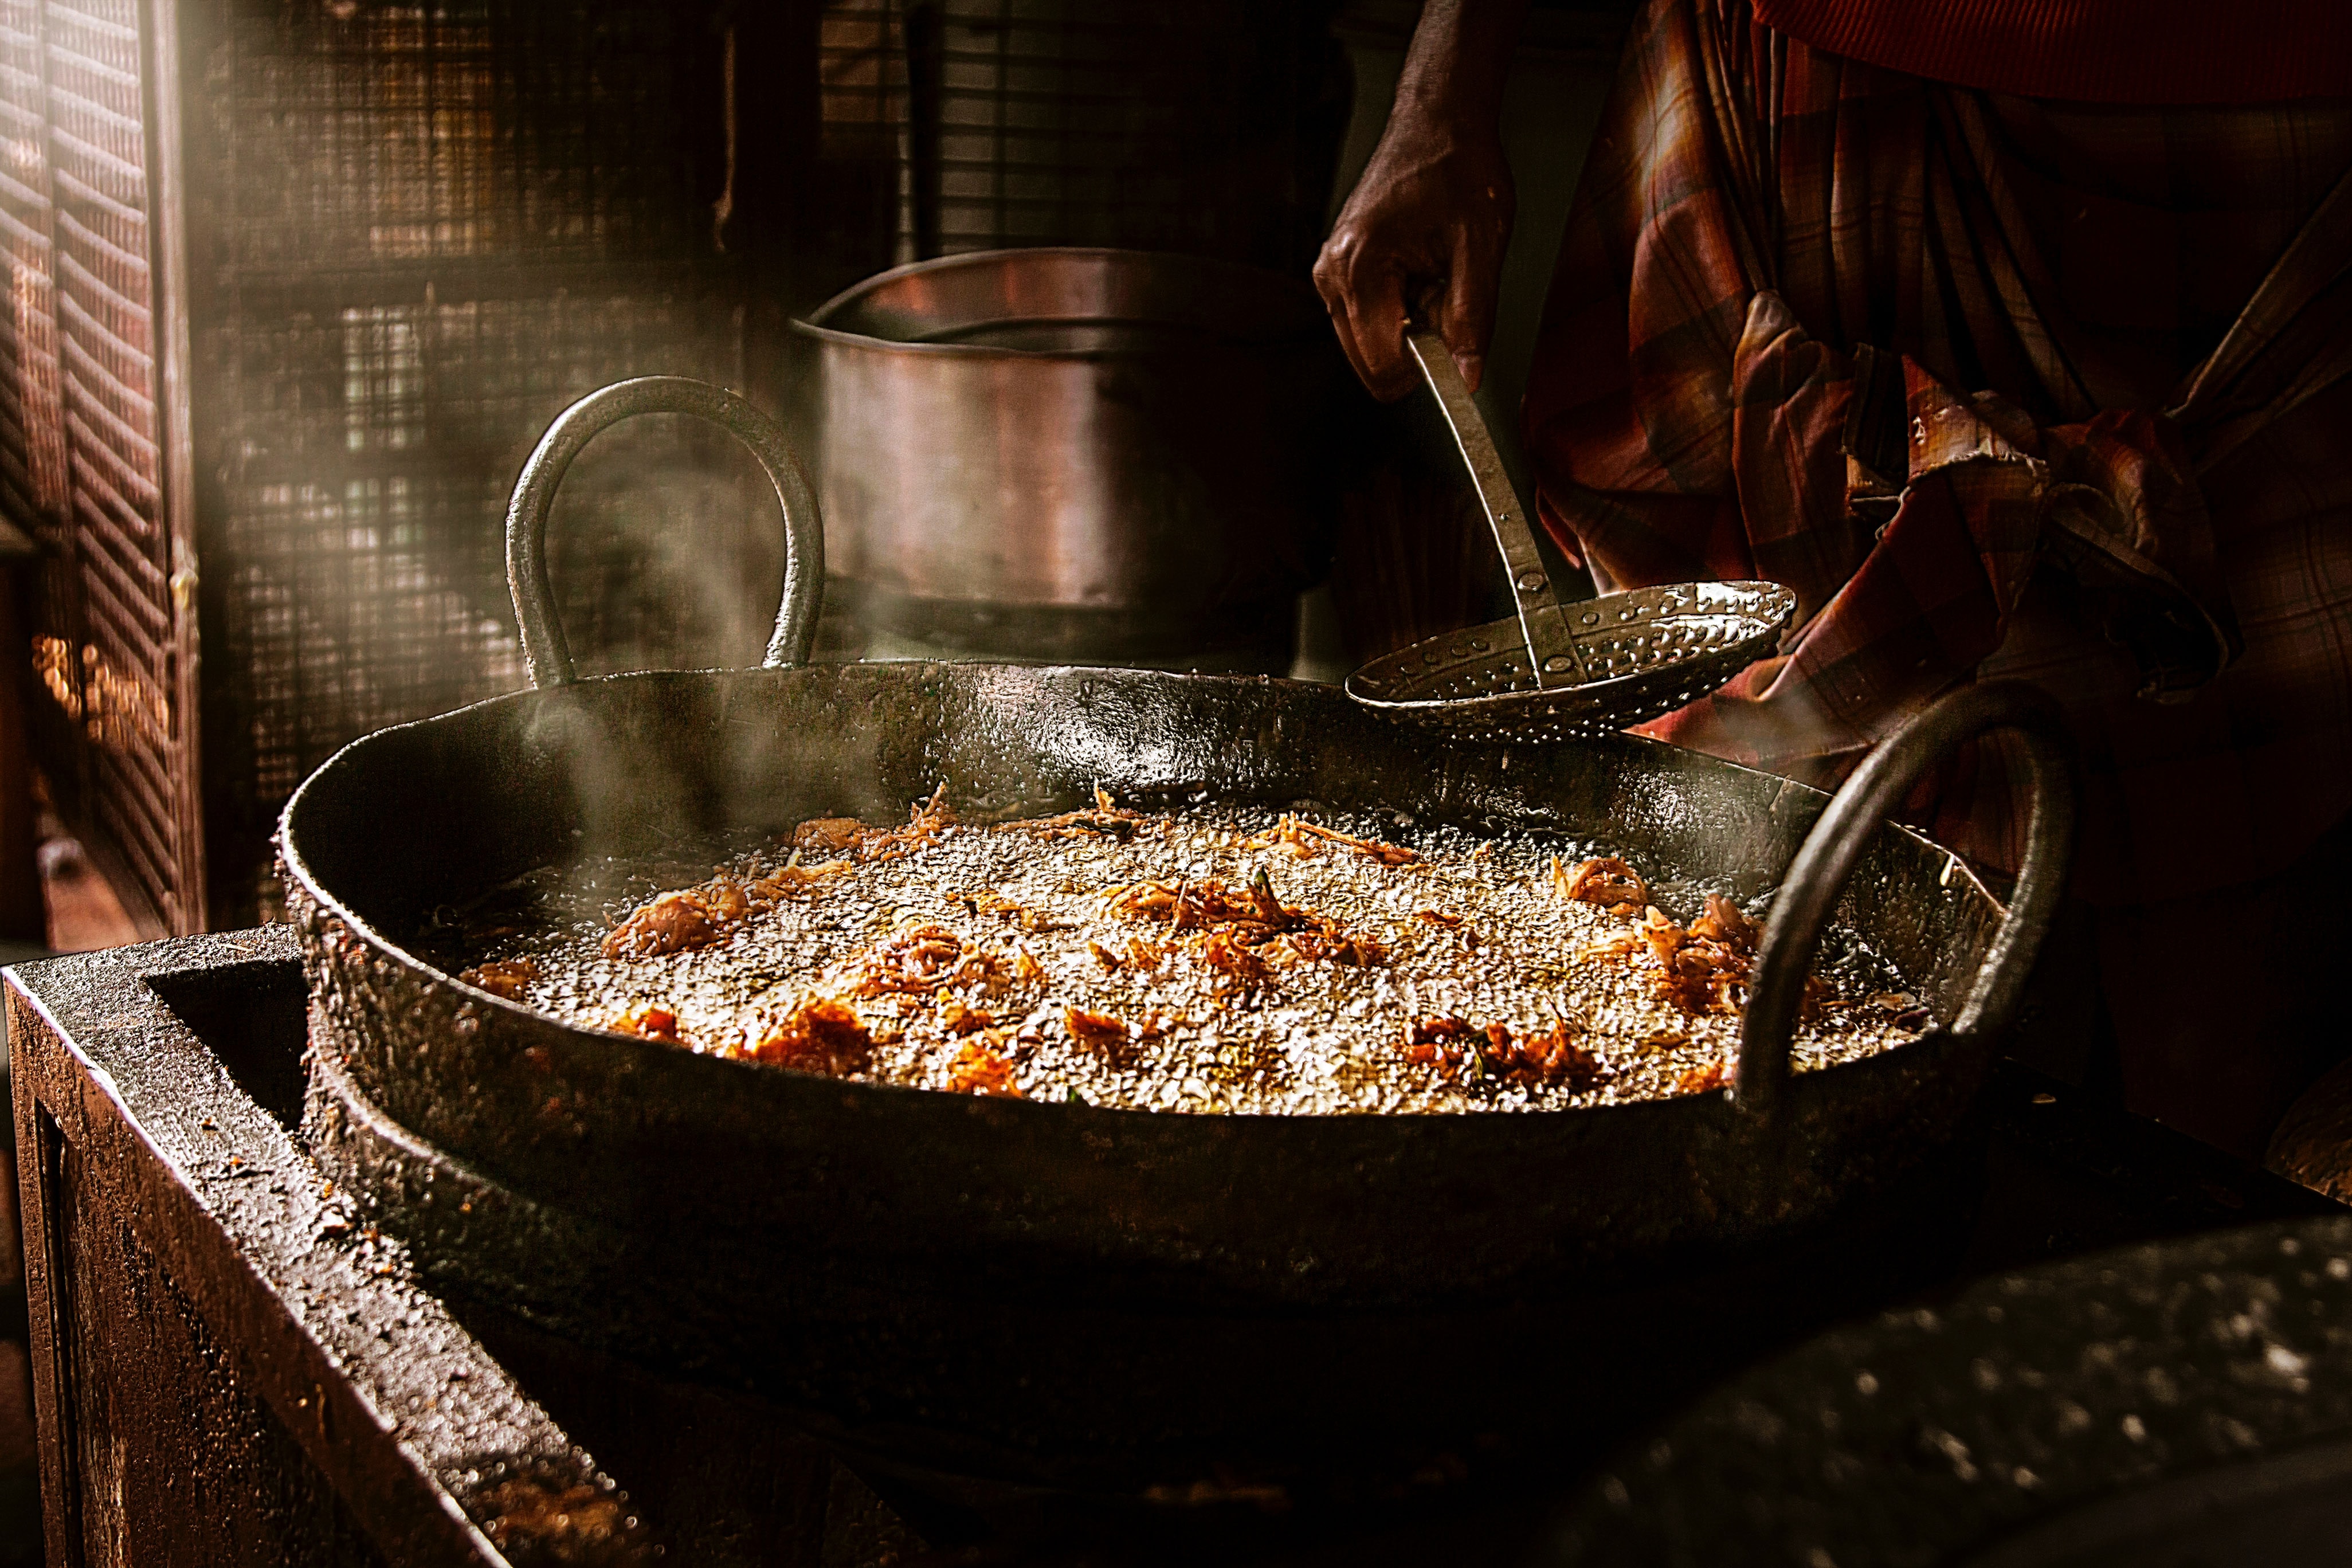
(1557, 671)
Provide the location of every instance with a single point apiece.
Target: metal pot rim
(815, 325)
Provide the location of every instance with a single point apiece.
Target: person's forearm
(1461, 52)
(1425, 227)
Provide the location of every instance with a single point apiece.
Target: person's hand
(1424, 231)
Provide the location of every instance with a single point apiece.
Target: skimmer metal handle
(546, 653)
(1552, 655)
(1825, 861)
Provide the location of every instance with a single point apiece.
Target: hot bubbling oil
(1063, 981)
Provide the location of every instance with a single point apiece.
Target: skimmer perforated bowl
(1638, 655)
(1556, 670)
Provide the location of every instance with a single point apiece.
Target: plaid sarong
(2000, 387)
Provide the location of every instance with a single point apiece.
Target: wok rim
(352, 754)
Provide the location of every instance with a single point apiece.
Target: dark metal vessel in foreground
(1127, 1283)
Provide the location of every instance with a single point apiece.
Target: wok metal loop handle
(546, 653)
(1827, 860)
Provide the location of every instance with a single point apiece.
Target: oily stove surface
(230, 1365)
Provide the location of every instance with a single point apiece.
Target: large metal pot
(898, 1257)
(1106, 455)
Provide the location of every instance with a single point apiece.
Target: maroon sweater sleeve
(2099, 51)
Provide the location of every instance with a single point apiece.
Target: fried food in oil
(1605, 880)
(1700, 969)
(507, 978)
(1303, 839)
(649, 1020)
(819, 1035)
(1700, 1080)
(978, 1070)
(1455, 1046)
(1222, 960)
(828, 833)
(696, 917)
(1244, 933)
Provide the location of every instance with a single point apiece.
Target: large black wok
(1035, 1275)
